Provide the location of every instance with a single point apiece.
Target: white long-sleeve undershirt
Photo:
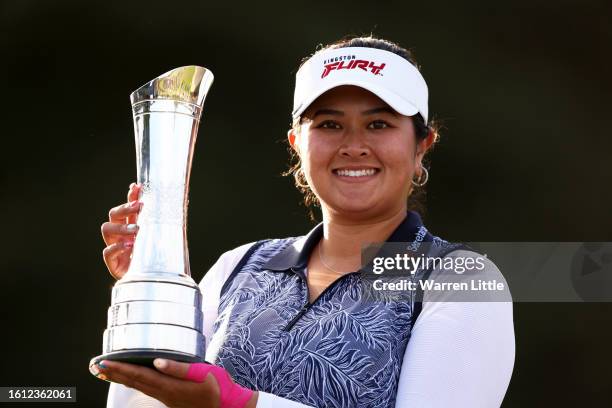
(460, 353)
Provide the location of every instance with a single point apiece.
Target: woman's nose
(354, 145)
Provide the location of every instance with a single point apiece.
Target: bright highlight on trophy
(156, 307)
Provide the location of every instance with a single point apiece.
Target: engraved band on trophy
(156, 306)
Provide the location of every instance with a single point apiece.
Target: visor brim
(396, 102)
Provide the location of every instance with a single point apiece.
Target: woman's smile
(358, 174)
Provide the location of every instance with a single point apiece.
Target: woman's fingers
(133, 195)
(176, 369)
(113, 232)
(131, 192)
(141, 378)
(121, 212)
(119, 233)
(117, 258)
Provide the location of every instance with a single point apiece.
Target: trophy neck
(166, 114)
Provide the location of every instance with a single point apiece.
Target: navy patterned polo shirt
(341, 350)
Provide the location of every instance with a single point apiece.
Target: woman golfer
(287, 321)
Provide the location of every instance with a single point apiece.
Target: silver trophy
(156, 307)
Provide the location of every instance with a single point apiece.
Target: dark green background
(523, 87)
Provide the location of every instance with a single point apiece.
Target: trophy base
(145, 357)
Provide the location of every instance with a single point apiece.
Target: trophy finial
(188, 84)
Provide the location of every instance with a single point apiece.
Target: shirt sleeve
(211, 285)
(461, 351)
(120, 396)
(267, 400)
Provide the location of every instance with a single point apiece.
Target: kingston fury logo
(350, 62)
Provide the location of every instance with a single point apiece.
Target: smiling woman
(290, 322)
(360, 126)
(414, 125)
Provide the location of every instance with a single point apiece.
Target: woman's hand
(119, 233)
(180, 385)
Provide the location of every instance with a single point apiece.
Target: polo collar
(295, 256)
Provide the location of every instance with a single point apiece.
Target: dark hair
(416, 197)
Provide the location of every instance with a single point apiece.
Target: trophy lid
(187, 84)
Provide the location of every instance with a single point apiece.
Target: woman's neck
(344, 238)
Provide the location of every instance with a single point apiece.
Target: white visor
(387, 75)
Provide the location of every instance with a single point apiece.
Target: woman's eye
(378, 124)
(329, 124)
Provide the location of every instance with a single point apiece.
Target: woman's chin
(354, 204)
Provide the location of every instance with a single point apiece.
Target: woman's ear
(424, 145)
(291, 136)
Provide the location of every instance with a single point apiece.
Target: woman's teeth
(356, 173)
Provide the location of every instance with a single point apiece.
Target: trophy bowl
(156, 306)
